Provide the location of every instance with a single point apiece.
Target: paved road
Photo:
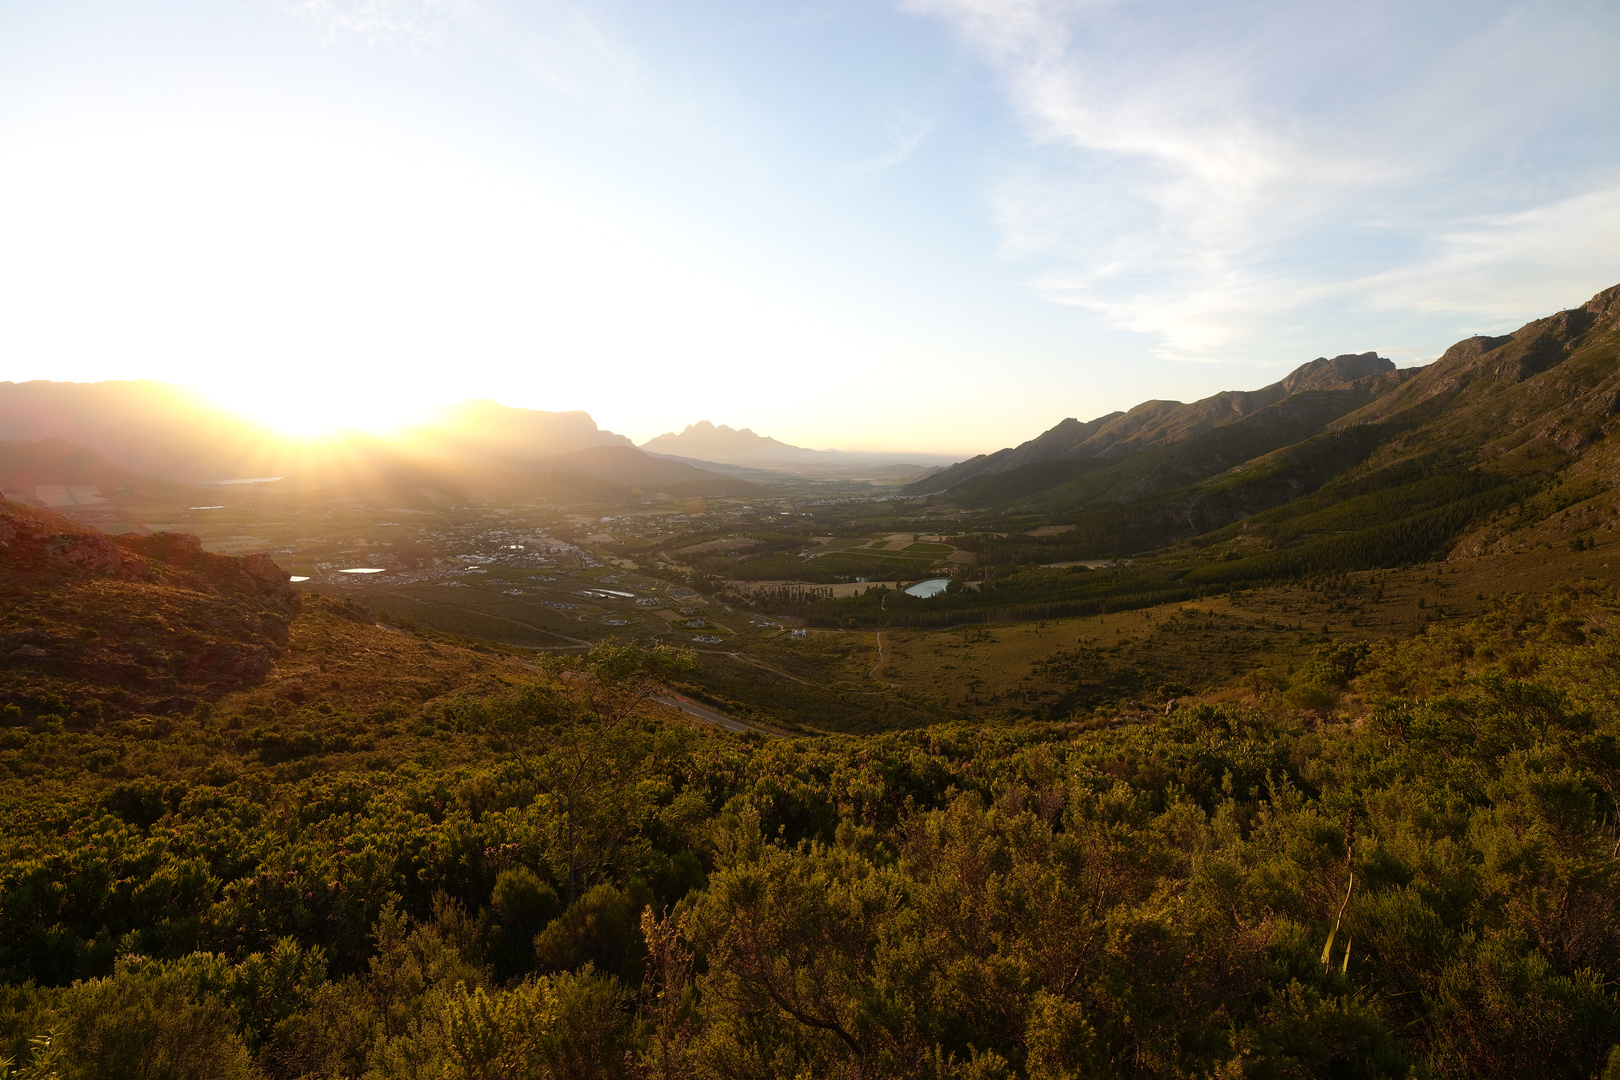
(708, 715)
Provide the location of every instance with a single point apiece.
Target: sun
(317, 409)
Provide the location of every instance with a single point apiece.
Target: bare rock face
(1325, 374)
(250, 575)
(43, 542)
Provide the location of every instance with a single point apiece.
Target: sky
(933, 225)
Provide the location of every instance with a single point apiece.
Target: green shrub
(601, 928)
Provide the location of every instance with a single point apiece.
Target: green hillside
(1472, 454)
(1531, 403)
(1399, 864)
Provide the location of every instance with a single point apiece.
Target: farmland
(891, 556)
(771, 597)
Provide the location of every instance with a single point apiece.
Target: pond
(931, 587)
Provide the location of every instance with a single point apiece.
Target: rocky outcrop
(38, 542)
(41, 542)
(249, 575)
(1341, 371)
(94, 625)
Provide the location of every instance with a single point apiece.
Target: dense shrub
(1420, 879)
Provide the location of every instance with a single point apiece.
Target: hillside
(627, 466)
(1497, 439)
(79, 483)
(395, 856)
(1525, 415)
(57, 462)
(94, 625)
(1351, 380)
(97, 628)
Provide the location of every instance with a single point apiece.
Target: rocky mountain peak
(1325, 374)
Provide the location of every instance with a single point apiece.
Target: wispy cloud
(1204, 172)
(1494, 266)
(905, 136)
(407, 23)
(575, 52)
(562, 44)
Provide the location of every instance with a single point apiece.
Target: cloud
(563, 45)
(1208, 173)
(905, 136)
(407, 23)
(1546, 257)
(575, 53)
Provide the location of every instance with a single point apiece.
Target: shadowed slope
(1155, 425)
(134, 623)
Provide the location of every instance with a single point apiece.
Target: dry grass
(331, 656)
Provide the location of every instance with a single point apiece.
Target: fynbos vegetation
(1402, 863)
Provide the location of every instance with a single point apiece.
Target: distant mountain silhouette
(600, 474)
(150, 435)
(160, 430)
(488, 428)
(705, 441)
(26, 465)
(153, 428)
(629, 466)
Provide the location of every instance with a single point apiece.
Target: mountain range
(148, 435)
(156, 429)
(1314, 393)
(707, 442)
(78, 439)
(1522, 410)
(1339, 447)
(161, 430)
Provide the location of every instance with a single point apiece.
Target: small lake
(931, 587)
(365, 570)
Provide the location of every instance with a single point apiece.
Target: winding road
(710, 716)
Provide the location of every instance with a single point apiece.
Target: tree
(575, 741)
